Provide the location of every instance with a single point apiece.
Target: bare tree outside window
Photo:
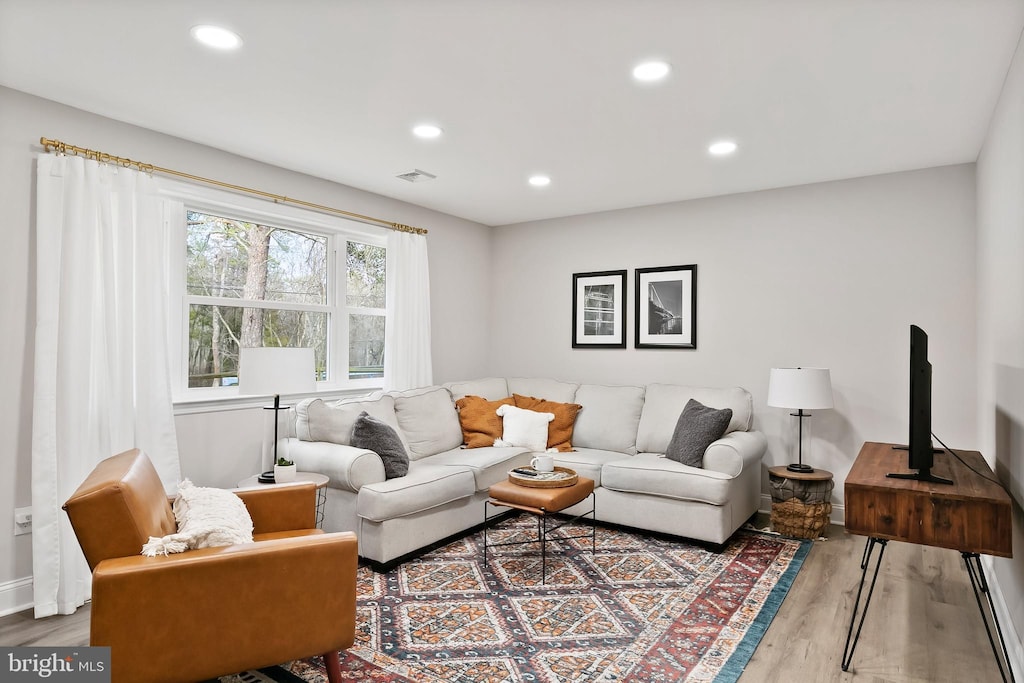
(280, 273)
(365, 292)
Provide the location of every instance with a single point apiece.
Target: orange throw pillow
(559, 430)
(480, 421)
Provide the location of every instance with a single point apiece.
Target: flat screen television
(919, 446)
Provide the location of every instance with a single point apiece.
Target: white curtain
(102, 380)
(407, 361)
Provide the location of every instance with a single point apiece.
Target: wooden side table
(801, 501)
(320, 480)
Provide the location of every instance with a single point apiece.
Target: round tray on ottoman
(562, 476)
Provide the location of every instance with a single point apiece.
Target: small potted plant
(284, 471)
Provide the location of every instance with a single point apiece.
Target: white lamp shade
(800, 388)
(276, 370)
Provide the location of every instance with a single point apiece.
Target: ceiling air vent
(415, 176)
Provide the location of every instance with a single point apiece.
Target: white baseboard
(15, 596)
(1012, 637)
(838, 515)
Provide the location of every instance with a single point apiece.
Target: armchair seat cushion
(294, 533)
(655, 475)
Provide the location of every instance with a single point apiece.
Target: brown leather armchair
(214, 611)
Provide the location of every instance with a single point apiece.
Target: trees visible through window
(364, 297)
(251, 284)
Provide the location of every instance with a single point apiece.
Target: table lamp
(275, 370)
(800, 389)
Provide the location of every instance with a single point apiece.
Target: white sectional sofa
(619, 440)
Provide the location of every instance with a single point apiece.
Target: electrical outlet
(22, 521)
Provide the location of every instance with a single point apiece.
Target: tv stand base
(920, 476)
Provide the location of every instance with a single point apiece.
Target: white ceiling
(812, 90)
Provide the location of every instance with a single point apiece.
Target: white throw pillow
(206, 517)
(525, 428)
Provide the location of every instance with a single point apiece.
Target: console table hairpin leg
(978, 583)
(865, 559)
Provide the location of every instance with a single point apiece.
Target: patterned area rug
(642, 608)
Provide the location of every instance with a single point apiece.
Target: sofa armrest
(273, 601)
(284, 507)
(735, 452)
(347, 467)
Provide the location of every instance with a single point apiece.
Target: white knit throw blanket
(206, 517)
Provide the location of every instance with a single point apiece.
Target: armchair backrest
(118, 507)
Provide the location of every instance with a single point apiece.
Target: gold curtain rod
(64, 148)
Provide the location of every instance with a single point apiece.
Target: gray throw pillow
(375, 435)
(697, 428)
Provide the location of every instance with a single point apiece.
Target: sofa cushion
(316, 420)
(479, 420)
(609, 419)
(428, 421)
(526, 428)
(587, 462)
(658, 476)
(664, 402)
(551, 389)
(560, 429)
(426, 486)
(372, 434)
(697, 428)
(491, 388)
(489, 465)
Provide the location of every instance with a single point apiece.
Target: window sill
(217, 401)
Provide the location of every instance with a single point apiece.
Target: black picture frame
(599, 310)
(666, 307)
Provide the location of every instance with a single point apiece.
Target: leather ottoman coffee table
(544, 503)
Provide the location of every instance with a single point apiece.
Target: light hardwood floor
(923, 625)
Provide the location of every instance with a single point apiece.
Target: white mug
(543, 463)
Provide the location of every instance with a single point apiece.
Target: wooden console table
(972, 516)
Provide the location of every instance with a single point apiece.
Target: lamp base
(799, 467)
(266, 478)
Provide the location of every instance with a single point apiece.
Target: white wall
(1001, 329)
(829, 275)
(217, 448)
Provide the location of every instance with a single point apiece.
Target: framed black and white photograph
(599, 310)
(666, 307)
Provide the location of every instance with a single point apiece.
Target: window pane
(233, 258)
(215, 331)
(366, 283)
(365, 346)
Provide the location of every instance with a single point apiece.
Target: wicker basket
(800, 520)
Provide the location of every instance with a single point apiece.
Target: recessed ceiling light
(427, 131)
(722, 148)
(216, 37)
(651, 71)
(539, 180)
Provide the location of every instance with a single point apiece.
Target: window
(273, 280)
(364, 298)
